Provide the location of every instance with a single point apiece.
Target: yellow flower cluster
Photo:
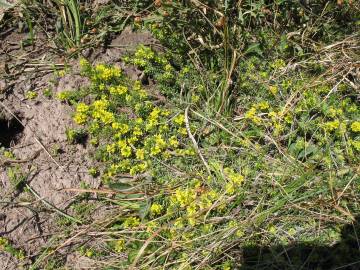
(159, 146)
(153, 119)
(100, 111)
(104, 73)
(355, 144)
(274, 90)
(331, 125)
(235, 180)
(125, 149)
(118, 90)
(193, 200)
(156, 209)
(64, 95)
(119, 245)
(141, 92)
(140, 154)
(80, 116)
(185, 152)
(252, 115)
(332, 112)
(179, 119)
(120, 129)
(355, 126)
(143, 55)
(84, 63)
(131, 222)
(138, 168)
(31, 94)
(183, 197)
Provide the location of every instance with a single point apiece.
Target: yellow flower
(137, 86)
(131, 222)
(128, 98)
(179, 119)
(194, 98)
(80, 118)
(139, 168)
(105, 116)
(182, 131)
(31, 94)
(119, 245)
(132, 140)
(179, 223)
(65, 95)
(111, 148)
(140, 154)
(160, 145)
(165, 112)
(82, 108)
(263, 105)
(118, 90)
(173, 142)
(331, 125)
(164, 128)
(139, 121)
(101, 87)
(126, 151)
(156, 209)
(106, 73)
(9, 155)
(120, 127)
(101, 104)
(61, 73)
(230, 188)
(251, 114)
(233, 176)
(184, 197)
(84, 63)
(137, 131)
(355, 126)
(273, 90)
(355, 144)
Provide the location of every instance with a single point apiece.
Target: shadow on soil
(307, 256)
(10, 131)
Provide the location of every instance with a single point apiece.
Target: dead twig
(5, 162)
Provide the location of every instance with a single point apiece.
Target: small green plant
(5, 245)
(56, 149)
(31, 95)
(47, 92)
(76, 135)
(9, 154)
(94, 172)
(16, 177)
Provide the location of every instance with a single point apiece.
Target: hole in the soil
(10, 132)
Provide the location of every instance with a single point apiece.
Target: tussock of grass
(286, 165)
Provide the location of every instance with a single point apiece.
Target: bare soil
(35, 131)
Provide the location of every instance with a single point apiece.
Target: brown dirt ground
(53, 163)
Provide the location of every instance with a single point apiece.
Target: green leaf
(254, 49)
(129, 196)
(144, 209)
(312, 149)
(119, 186)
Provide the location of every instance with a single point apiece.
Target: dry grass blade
(194, 141)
